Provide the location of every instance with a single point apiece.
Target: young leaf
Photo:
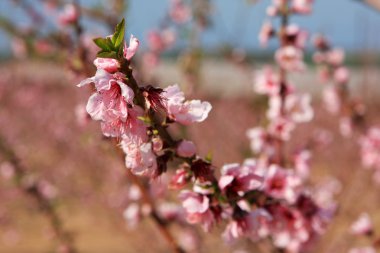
(208, 157)
(118, 36)
(107, 54)
(104, 44)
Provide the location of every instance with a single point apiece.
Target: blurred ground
(37, 115)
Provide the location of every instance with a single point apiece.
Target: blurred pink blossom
(362, 226)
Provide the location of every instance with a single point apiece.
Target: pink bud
(186, 149)
(108, 64)
(131, 50)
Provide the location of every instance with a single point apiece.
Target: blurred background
(214, 58)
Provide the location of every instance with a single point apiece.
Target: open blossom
(362, 226)
(130, 126)
(197, 208)
(267, 82)
(370, 148)
(290, 58)
(281, 183)
(297, 107)
(130, 50)
(296, 36)
(110, 102)
(239, 179)
(69, 15)
(302, 6)
(247, 225)
(184, 112)
(179, 11)
(140, 158)
(266, 32)
(281, 128)
(186, 149)
(260, 141)
(108, 64)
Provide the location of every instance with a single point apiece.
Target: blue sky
(348, 23)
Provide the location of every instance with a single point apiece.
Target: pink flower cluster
(114, 105)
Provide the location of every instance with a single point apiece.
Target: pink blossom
(266, 32)
(197, 208)
(281, 183)
(341, 75)
(296, 36)
(335, 56)
(130, 51)
(169, 211)
(112, 94)
(239, 179)
(370, 148)
(184, 112)
(302, 6)
(331, 99)
(246, 226)
(362, 226)
(290, 58)
(324, 74)
(139, 158)
(156, 41)
(297, 107)
(108, 64)
(179, 11)
(150, 59)
(186, 149)
(130, 127)
(260, 141)
(69, 15)
(320, 42)
(302, 163)
(189, 240)
(272, 11)
(180, 179)
(281, 128)
(267, 82)
(345, 126)
(132, 215)
(362, 250)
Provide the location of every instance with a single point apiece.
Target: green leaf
(118, 36)
(208, 157)
(104, 43)
(107, 54)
